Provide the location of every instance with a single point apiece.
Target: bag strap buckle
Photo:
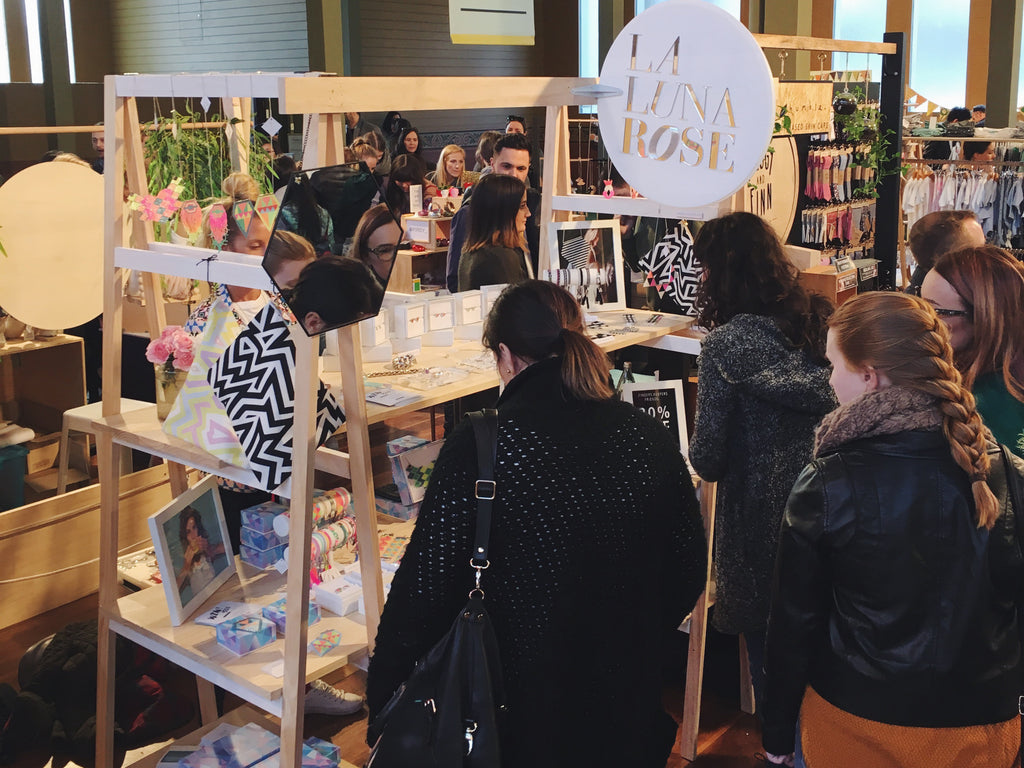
(486, 490)
(1020, 705)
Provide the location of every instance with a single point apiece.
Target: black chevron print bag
(255, 382)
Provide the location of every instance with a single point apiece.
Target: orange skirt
(833, 738)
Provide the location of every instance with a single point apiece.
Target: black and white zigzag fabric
(255, 381)
(672, 268)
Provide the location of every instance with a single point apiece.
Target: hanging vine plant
(859, 124)
(198, 156)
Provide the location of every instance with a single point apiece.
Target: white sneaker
(324, 699)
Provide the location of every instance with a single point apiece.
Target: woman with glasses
(979, 294)
(376, 240)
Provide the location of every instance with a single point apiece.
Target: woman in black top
(597, 550)
(494, 249)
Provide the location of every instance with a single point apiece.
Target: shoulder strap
(485, 429)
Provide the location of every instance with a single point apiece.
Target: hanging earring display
(242, 211)
(218, 225)
(608, 191)
(267, 207)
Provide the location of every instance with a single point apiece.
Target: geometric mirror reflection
(333, 246)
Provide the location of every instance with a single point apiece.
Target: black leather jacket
(889, 600)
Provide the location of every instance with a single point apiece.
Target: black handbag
(447, 713)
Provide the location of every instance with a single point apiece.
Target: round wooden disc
(774, 194)
(51, 225)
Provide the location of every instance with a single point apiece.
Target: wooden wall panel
(201, 36)
(395, 38)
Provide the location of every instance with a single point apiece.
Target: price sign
(662, 400)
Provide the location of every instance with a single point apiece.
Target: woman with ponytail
(597, 550)
(893, 629)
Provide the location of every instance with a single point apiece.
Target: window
(35, 50)
(5, 54)
(70, 41)
(938, 51)
(858, 20)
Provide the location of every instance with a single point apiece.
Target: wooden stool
(698, 637)
(80, 420)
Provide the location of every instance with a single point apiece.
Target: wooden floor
(728, 738)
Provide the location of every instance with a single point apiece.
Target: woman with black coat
(596, 554)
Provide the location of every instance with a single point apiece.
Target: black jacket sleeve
(799, 610)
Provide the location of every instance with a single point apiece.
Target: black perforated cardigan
(597, 553)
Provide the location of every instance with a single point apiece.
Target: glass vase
(169, 381)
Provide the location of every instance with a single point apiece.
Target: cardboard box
(42, 452)
(246, 634)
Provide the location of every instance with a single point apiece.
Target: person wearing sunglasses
(979, 294)
(376, 240)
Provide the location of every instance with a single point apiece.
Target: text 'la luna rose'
(694, 112)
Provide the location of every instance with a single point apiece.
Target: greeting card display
(255, 381)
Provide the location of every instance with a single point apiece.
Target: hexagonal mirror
(333, 246)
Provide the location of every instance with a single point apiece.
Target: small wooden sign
(772, 191)
(808, 104)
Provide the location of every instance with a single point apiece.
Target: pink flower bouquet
(173, 349)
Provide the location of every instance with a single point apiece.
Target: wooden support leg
(747, 703)
(207, 700)
(694, 679)
(698, 636)
(109, 492)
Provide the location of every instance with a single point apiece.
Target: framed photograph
(662, 400)
(193, 550)
(588, 262)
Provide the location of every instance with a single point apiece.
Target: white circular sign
(696, 110)
(51, 225)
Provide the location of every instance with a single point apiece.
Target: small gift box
(410, 320)
(339, 596)
(275, 612)
(374, 330)
(488, 294)
(440, 314)
(261, 517)
(322, 644)
(260, 540)
(331, 751)
(261, 558)
(468, 307)
(246, 634)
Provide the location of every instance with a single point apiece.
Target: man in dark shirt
(511, 158)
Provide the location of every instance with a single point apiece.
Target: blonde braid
(962, 426)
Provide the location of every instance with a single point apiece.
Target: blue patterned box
(254, 747)
(261, 517)
(262, 558)
(246, 634)
(331, 751)
(260, 539)
(275, 612)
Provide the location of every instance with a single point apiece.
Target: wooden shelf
(143, 617)
(240, 717)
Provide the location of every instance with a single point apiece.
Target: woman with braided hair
(893, 630)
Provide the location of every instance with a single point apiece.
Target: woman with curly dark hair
(761, 390)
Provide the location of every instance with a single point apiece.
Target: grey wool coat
(758, 402)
